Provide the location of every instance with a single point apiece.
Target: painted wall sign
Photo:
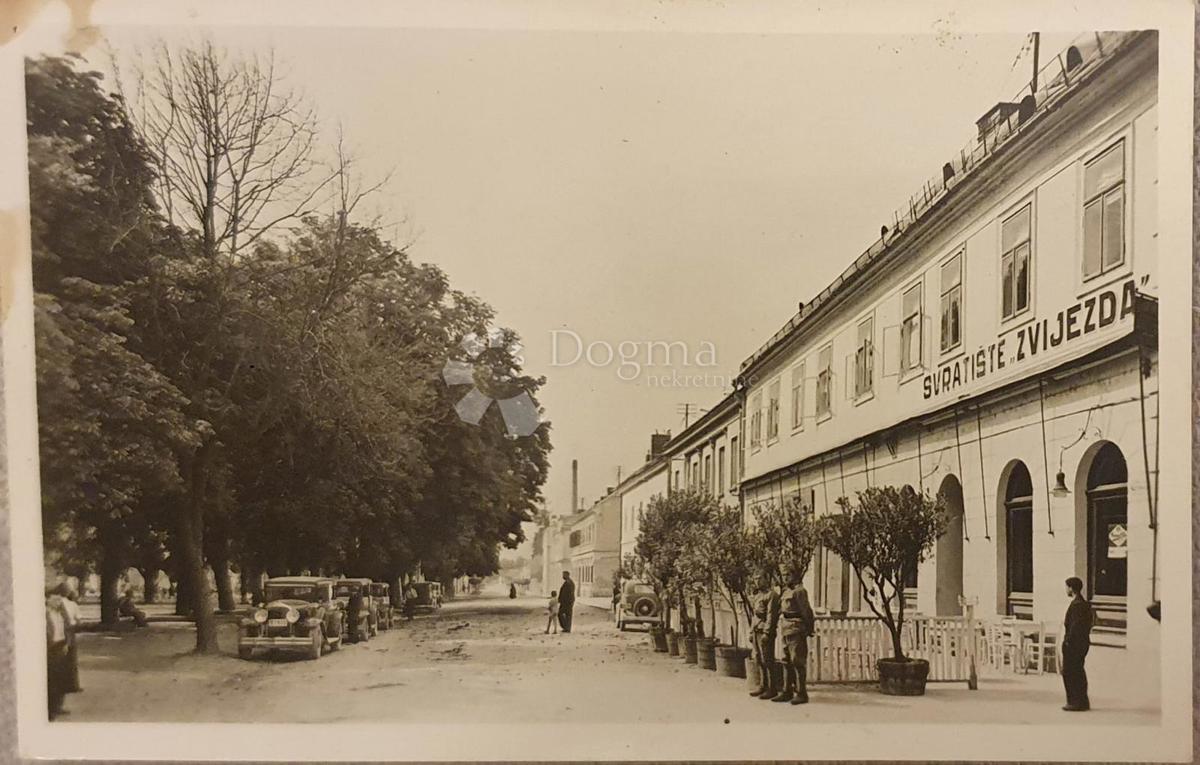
(1037, 338)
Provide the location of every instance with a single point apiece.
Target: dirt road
(488, 661)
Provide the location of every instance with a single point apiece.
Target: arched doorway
(912, 592)
(1018, 542)
(1107, 537)
(949, 551)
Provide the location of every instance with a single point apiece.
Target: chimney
(574, 486)
(658, 443)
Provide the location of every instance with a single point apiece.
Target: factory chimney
(574, 486)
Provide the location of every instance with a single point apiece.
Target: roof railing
(1054, 78)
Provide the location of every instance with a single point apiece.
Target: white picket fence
(845, 649)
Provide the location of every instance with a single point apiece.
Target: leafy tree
(884, 536)
(664, 540)
(111, 425)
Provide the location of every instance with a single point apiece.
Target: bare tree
(234, 149)
(235, 155)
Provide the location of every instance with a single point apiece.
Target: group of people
(791, 613)
(561, 606)
(791, 609)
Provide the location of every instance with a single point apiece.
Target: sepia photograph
(547, 382)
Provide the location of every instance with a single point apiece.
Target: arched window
(1018, 512)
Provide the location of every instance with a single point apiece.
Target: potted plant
(733, 556)
(884, 536)
(696, 569)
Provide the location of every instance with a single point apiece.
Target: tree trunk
(252, 582)
(699, 617)
(191, 548)
(183, 592)
(226, 603)
(897, 650)
(149, 583)
(110, 583)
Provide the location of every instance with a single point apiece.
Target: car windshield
(345, 589)
(639, 589)
(291, 592)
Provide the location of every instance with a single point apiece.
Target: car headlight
(260, 616)
(293, 616)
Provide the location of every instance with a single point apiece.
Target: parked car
(429, 595)
(366, 626)
(298, 614)
(639, 604)
(382, 598)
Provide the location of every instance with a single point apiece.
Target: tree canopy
(253, 384)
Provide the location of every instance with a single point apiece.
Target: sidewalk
(604, 603)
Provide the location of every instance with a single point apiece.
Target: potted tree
(665, 525)
(733, 557)
(883, 537)
(697, 569)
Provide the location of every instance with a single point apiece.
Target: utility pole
(686, 411)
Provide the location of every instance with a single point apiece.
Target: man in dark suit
(566, 601)
(1077, 628)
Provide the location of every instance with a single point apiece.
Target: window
(798, 396)
(1104, 212)
(864, 359)
(910, 329)
(708, 472)
(721, 468)
(1014, 263)
(773, 411)
(756, 421)
(825, 381)
(677, 483)
(734, 456)
(952, 303)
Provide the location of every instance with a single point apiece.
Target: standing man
(799, 622)
(410, 601)
(765, 603)
(566, 601)
(1077, 628)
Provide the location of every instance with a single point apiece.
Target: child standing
(552, 612)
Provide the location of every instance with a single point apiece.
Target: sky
(633, 187)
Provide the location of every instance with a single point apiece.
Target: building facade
(594, 544)
(996, 347)
(647, 482)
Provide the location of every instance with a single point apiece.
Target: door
(1108, 532)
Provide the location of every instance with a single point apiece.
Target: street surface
(487, 660)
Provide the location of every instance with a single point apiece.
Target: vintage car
(299, 614)
(366, 626)
(382, 598)
(429, 595)
(638, 605)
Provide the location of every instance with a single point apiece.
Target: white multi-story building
(996, 347)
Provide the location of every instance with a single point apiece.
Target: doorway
(949, 551)
(1108, 538)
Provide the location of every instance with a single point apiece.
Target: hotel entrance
(1107, 538)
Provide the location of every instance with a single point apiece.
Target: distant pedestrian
(126, 607)
(616, 597)
(552, 613)
(410, 602)
(566, 602)
(512, 591)
(58, 680)
(1077, 628)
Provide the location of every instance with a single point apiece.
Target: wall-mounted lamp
(1060, 479)
(1060, 484)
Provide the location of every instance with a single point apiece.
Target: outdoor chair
(1041, 650)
